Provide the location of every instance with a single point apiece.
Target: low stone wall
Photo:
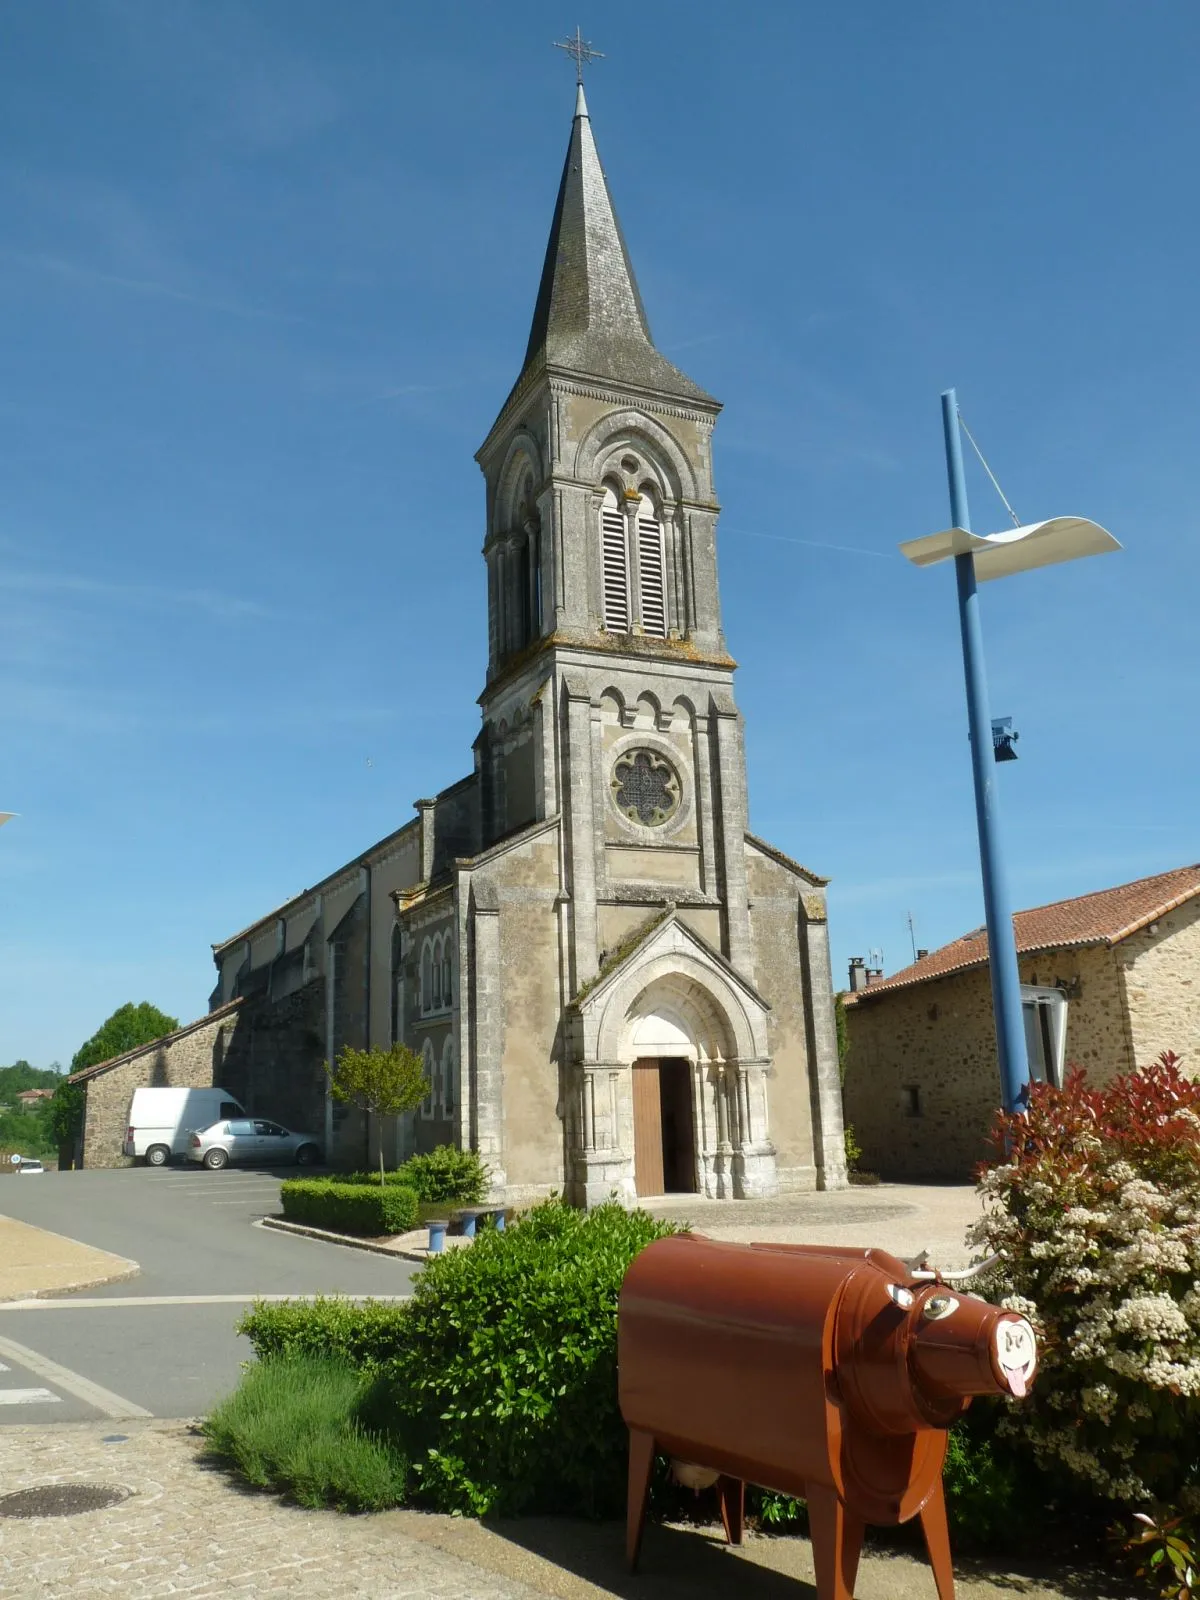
(186, 1059)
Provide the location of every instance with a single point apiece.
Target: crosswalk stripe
(74, 1383)
(26, 1397)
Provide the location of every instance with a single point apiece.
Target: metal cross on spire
(580, 50)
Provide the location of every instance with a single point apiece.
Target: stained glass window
(645, 787)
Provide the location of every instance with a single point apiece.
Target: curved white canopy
(999, 555)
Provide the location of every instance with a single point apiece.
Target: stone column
(824, 1077)
(487, 1035)
(754, 1172)
(602, 1165)
(730, 799)
(581, 830)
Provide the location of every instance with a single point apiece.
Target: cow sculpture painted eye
(939, 1306)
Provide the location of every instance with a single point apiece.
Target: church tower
(609, 706)
(614, 986)
(602, 585)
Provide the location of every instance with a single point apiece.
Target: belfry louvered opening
(615, 550)
(651, 571)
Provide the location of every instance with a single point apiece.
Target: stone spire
(589, 317)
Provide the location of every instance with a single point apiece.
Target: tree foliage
(129, 1026)
(66, 1113)
(387, 1083)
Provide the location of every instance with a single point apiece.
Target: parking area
(161, 1343)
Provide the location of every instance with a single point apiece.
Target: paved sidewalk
(35, 1262)
(187, 1530)
(904, 1218)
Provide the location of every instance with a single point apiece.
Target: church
(616, 988)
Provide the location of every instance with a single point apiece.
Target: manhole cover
(61, 1499)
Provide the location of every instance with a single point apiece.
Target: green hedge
(349, 1207)
(445, 1173)
(498, 1380)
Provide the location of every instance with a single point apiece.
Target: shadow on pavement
(675, 1563)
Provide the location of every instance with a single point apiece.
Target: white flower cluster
(1104, 1259)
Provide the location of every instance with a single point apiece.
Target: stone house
(1109, 980)
(615, 986)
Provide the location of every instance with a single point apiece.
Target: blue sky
(266, 275)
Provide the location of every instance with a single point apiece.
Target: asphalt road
(162, 1343)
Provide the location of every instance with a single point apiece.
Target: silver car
(251, 1139)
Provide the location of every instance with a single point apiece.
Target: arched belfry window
(615, 555)
(652, 580)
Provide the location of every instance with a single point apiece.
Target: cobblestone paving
(187, 1531)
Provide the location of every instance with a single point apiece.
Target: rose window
(645, 787)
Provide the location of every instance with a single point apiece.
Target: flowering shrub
(1093, 1204)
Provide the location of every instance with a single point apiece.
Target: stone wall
(274, 1064)
(922, 1081)
(1161, 976)
(191, 1058)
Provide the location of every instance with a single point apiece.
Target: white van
(161, 1121)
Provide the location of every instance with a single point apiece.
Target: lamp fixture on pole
(978, 558)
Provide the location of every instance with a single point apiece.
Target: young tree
(386, 1083)
(128, 1027)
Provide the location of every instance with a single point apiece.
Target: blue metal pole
(1002, 948)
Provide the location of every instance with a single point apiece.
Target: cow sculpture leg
(837, 1537)
(641, 1468)
(732, 1494)
(937, 1541)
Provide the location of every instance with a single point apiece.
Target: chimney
(874, 974)
(858, 974)
(921, 954)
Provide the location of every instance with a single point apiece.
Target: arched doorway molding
(673, 997)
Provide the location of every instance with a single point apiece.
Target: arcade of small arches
(436, 969)
(440, 1075)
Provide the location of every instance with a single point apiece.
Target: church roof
(589, 316)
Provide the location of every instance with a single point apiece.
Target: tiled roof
(1106, 917)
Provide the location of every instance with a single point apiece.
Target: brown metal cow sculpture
(826, 1373)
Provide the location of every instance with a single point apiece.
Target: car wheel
(158, 1155)
(307, 1156)
(216, 1159)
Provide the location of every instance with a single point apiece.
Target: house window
(1044, 1012)
(615, 560)
(447, 991)
(437, 974)
(652, 578)
(912, 1100)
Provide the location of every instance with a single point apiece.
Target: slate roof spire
(589, 316)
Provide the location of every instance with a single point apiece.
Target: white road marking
(74, 1383)
(79, 1303)
(3, 1368)
(27, 1397)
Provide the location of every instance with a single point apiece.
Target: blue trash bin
(437, 1238)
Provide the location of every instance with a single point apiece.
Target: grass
(289, 1427)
